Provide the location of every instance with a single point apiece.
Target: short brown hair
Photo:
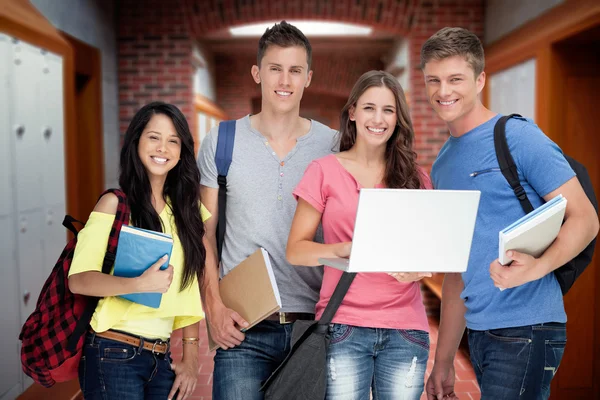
(449, 42)
(283, 35)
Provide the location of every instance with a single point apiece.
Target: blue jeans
(391, 362)
(240, 371)
(517, 363)
(113, 370)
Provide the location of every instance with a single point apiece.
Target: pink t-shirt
(374, 300)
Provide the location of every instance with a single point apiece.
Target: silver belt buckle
(159, 343)
(282, 319)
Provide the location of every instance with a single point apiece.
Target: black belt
(289, 317)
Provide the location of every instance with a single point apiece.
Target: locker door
(26, 75)
(26, 125)
(32, 271)
(10, 321)
(51, 130)
(6, 196)
(51, 133)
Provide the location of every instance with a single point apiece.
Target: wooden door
(578, 71)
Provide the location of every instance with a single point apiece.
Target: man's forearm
(574, 236)
(452, 321)
(209, 289)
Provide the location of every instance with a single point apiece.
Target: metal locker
(10, 320)
(53, 158)
(32, 272)
(6, 154)
(55, 237)
(26, 122)
(51, 130)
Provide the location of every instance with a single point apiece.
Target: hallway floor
(466, 385)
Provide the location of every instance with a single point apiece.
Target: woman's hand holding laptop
(343, 249)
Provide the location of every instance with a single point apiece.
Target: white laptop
(408, 230)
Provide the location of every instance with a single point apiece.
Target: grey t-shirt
(260, 204)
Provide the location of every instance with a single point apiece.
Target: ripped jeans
(390, 362)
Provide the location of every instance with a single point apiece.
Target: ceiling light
(309, 28)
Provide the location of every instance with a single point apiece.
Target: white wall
(399, 61)
(204, 81)
(94, 22)
(513, 90)
(504, 16)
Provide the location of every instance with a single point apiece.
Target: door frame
(89, 140)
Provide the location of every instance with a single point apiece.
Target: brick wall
(430, 131)
(155, 52)
(333, 75)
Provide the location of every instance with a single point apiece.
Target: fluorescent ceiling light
(309, 28)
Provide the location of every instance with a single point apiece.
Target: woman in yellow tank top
(127, 355)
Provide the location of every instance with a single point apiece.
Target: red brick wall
(333, 75)
(318, 106)
(430, 131)
(155, 50)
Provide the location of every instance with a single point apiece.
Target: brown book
(250, 289)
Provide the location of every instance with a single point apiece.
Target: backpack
(223, 156)
(53, 335)
(568, 273)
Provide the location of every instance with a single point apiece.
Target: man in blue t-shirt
(516, 335)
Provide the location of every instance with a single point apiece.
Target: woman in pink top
(379, 335)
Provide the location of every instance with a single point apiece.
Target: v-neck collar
(358, 184)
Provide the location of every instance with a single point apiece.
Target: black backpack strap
(68, 223)
(121, 218)
(337, 297)
(507, 164)
(223, 157)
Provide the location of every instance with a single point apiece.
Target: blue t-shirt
(469, 163)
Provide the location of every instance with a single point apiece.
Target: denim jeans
(240, 371)
(517, 363)
(113, 370)
(390, 362)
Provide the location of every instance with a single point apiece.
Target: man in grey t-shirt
(272, 149)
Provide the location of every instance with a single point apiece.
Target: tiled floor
(465, 387)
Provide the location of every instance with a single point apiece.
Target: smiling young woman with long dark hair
(124, 356)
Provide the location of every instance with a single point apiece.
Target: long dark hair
(182, 187)
(401, 166)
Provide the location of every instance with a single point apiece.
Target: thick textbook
(533, 233)
(250, 289)
(137, 250)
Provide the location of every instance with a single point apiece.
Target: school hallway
(74, 73)
(466, 385)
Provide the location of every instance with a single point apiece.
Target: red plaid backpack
(53, 335)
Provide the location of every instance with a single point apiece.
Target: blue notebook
(137, 250)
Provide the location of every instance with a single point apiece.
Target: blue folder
(137, 250)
